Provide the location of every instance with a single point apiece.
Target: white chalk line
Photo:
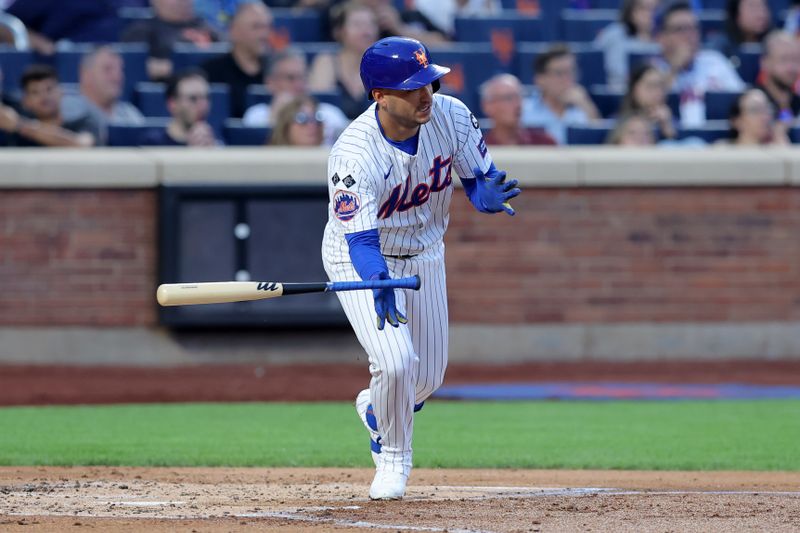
(286, 515)
(141, 503)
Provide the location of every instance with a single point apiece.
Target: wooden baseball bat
(218, 292)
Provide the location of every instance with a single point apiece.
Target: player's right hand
(385, 306)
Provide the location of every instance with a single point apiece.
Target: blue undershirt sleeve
(471, 186)
(365, 253)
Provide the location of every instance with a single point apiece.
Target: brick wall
(616, 254)
(570, 255)
(78, 257)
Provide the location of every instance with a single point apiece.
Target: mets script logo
(267, 286)
(421, 58)
(400, 200)
(346, 205)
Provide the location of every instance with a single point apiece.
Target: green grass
(730, 435)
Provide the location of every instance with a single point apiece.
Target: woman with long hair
(633, 33)
(355, 28)
(747, 21)
(298, 123)
(752, 122)
(647, 94)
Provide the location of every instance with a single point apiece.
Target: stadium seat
(594, 134)
(237, 134)
(471, 65)
(713, 131)
(606, 4)
(119, 135)
(13, 62)
(747, 61)
(718, 105)
(584, 25)
(258, 94)
(487, 29)
(186, 55)
(134, 56)
(312, 49)
(591, 63)
(606, 99)
(151, 100)
(712, 21)
(301, 25)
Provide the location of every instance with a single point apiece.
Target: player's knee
(402, 367)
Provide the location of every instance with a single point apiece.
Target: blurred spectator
(288, 75)
(219, 13)
(79, 21)
(174, 21)
(298, 123)
(244, 64)
(557, 101)
(780, 69)
(42, 124)
(691, 72)
(632, 130)
(355, 28)
(647, 95)
(101, 80)
(632, 34)
(748, 21)
(792, 23)
(188, 104)
(406, 23)
(501, 101)
(753, 123)
(442, 13)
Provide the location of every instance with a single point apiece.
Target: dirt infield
(223, 499)
(41, 385)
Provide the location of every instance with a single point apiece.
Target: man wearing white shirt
(688, 67)
(558, 100)
(287, 76)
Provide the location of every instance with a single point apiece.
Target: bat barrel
(216, 292)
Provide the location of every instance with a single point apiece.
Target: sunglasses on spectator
(304, 118)
(194, 98)
(682, 28)
(757, 109)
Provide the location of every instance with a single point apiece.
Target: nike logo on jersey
(386, 176)
(399, 201)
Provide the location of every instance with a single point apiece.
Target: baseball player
(390, 184)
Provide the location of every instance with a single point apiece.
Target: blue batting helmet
(399, 63)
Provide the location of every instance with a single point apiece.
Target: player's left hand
(496, 192)
(385, 306)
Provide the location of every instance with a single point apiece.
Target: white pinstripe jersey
(373, 184)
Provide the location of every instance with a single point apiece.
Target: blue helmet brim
(429, 75)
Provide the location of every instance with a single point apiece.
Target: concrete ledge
(468, 343)
(76, 168)
(718, 166)
(256, 165)
(534, 167)
(625, 342)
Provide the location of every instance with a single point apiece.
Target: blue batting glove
(495, 192)
(385, 306)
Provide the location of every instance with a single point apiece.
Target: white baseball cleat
(388, 485)
(364, 410)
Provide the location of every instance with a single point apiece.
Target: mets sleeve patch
(346, 205)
